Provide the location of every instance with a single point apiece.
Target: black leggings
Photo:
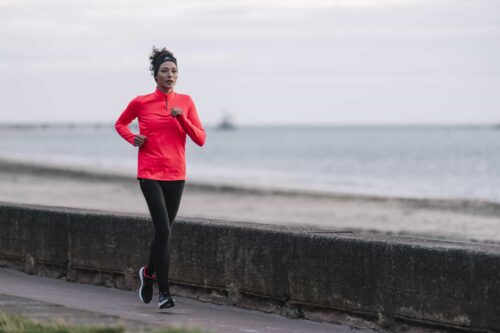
(163, 199)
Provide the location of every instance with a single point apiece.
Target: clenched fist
(176, 112)
(139, 140)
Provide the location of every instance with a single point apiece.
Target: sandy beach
(454, 220)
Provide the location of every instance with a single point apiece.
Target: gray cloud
(268, 61)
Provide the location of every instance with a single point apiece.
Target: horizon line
(31, 124)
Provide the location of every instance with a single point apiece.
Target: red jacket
(162, 156)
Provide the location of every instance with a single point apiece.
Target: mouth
(169, 81)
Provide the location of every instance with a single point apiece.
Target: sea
(446, 162)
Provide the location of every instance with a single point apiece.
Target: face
(167, 75)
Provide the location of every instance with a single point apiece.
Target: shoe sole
(141, 277)
(167, 304)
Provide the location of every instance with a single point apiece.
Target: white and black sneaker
(165, 301)
(146, 290)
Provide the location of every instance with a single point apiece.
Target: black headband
(161, 61)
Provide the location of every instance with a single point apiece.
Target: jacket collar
(159, 93)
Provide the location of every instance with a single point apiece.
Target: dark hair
(158, 57)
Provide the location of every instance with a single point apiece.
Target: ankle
(149, 274)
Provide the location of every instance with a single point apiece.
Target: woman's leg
(172, 194)
(159, 258)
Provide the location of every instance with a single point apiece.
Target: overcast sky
(263, 61)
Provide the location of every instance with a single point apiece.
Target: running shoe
(146, 290)
(165, 301)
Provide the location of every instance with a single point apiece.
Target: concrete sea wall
(297, 271)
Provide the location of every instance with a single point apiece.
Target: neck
(165, 90)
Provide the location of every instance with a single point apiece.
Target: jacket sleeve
(127, 116)
(191, 124)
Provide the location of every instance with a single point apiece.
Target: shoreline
(454, 220)
(49, 169)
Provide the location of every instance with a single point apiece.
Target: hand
(139, 140)
(176, 112)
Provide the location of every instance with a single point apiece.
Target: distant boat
(226, 124)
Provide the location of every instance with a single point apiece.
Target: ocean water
(423, 162)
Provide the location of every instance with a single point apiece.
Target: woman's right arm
(127, 116)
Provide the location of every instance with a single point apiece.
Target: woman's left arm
(191, 124)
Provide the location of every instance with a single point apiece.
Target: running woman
(165, 118)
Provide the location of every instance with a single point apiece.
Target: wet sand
(456, 220)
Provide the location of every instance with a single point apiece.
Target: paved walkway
(52, 299)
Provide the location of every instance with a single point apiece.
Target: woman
(165, 117)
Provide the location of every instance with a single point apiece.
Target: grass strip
(19, 324)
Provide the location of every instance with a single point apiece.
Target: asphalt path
(55, 299)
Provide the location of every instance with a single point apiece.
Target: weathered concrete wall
(449, 284)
